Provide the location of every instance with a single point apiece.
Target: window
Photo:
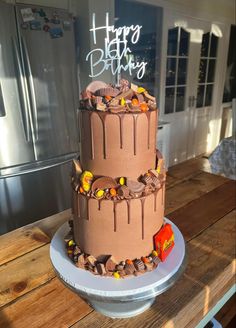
(176, 70)
(206, 77)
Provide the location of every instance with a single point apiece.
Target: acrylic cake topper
(115, 50)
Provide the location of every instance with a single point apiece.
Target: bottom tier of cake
(124, 229)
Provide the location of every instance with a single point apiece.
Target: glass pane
(205, 44)
(169, 100)
(200, 95)
(208, 99)
(184, 43)
(172, 42)
(211, 70)
(170, 71)
(182, 71)
(180, 97)
(214, 45)
(202, 71)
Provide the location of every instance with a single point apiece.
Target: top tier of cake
(118, 136)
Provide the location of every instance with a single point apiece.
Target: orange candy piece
(144, 259)
(81, 190)
(143, 107)
(108, 97)
(135, 102)
(113, 192)
(129, 262)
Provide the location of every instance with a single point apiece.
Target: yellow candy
(99, 193)
(141, 90)
(154, 253)
(86, 179)
(122, 101)
(158, 169)
(122, 181)
(116, 275)
(71, 242)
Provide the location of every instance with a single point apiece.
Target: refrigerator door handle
(33, 109)
(23, 94)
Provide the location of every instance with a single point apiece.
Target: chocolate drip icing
(103, 119)
(121, 119)
(162, 195)
(135, 116)
(148, 117)
(155, 200)
(142, 205)
(99, 204)
(115, 218)
(128, 209)
(87, 207)
(91, 136)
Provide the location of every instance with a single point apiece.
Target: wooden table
(203, 207)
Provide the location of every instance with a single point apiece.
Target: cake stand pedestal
(118, 298)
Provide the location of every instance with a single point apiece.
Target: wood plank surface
(21, 241)
(25, 273)
(194, 293)
(186, 191)
(227, 312)
(204, 211)
(49, 306)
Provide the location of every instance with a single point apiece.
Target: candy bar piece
(152, 105)
(156, 261)
(139, 265)
(81, 261)
(117, 109)
(153, 172)
(156, 183)
(91, 260)
(140, 97)
(96, 85)
(126, 95)
(119, 267)
(101, 269)
(123, 191)
(146, 179)
(110, 264)
(149, 266)
(129, 269)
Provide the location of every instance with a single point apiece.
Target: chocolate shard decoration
(129, 269)
(76, 168)
(91, 260)
(140, 97)
(104, 183)
(135, 186)
(101, 269)
(156, 261)
(96, 85)
(149, 97)
(134, 87)
(123, 191)
(139, 265)
(111, 264)
(126, 95)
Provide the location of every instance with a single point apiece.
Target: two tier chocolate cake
(118, 184)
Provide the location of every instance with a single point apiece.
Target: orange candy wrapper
(164, 241)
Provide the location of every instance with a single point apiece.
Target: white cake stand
(122, 298)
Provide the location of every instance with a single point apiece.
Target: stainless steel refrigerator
(38, 103)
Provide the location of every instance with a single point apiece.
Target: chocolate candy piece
(111, 264)
(156, 261)
(101, 269)
(77, 250)
(149, 266)
(146, 179)
(96, 85)
(129, 269)
(135, 186)
(81, 261)
(109, 91)
(139, 265)
(117, 109)
(156, 183)
(91, 260)
(104, 183)
(123, 191)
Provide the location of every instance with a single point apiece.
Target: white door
(190, 49)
